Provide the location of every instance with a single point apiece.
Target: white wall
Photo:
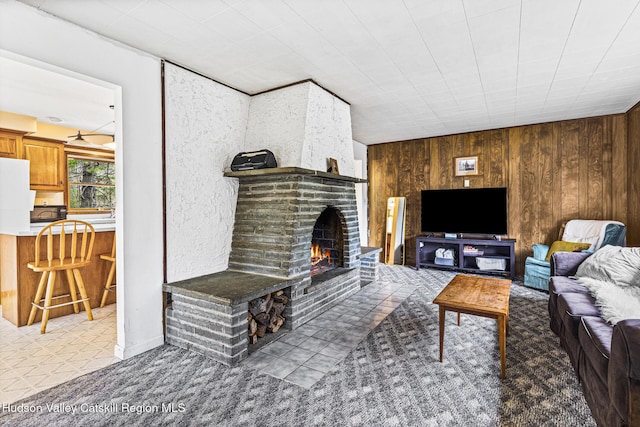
(205, 125)
(135, 78)
(362, 191)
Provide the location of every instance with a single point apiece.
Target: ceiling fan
(79, 137)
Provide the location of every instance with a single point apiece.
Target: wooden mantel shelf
(291, 171)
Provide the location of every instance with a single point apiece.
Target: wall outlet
(466, 182)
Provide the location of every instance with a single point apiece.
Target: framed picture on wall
(466, 166)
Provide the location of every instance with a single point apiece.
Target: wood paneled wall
(553, 171)
(633, 171)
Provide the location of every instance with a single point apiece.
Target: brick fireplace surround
(270, 251)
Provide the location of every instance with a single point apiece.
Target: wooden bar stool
(72, 252)
(112, 271)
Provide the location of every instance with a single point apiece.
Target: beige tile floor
(305, 355)
(73, 346)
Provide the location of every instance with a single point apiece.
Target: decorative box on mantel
(299, 227)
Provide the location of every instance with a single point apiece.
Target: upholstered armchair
(578, 235)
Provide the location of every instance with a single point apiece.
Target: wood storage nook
(265, 315)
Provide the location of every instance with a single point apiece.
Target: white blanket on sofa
(616, 302)
(612, 274)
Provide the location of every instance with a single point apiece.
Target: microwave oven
(48, 213)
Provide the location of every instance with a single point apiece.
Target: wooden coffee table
(480, 296)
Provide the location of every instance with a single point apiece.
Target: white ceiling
(54, 98)
(409, 68)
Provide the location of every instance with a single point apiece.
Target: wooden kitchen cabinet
(9, 144)
(47, 163)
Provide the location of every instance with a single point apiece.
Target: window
(92, 184)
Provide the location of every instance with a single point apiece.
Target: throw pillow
(562, 246)
(614, 264)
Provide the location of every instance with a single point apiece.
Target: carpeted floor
(392, 378)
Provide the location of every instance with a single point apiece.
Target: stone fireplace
(259, 224)
(280, 213)
(295, 238)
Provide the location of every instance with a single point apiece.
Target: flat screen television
(465, 210)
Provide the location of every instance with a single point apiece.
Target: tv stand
(491, 256)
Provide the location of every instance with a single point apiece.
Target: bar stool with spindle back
(112, 271)
(68, 257)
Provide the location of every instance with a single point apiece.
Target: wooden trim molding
(93, 153)
(301, 82)
(166, 61)
(634, 108)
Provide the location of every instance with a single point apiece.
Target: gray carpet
(392, 378)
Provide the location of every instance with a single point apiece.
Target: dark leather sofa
(606, 358)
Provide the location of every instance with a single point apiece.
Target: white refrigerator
(16, 199)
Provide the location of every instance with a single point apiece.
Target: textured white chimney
(303, 125)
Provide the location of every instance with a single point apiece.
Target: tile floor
(305, 355)
(73, 346)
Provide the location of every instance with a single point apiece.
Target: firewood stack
(265, 314)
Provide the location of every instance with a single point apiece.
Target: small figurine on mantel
(333, 166)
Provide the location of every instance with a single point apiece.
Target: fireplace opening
(326, 243)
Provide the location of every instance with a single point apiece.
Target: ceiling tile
(410, 68)
(233, 25)
(197, 10)
(135, 33)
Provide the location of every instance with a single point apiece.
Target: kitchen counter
(99, 225)
(18, 283)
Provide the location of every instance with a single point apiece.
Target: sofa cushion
(566, 263)
(572, 306)
(595, 335)
(562, 285)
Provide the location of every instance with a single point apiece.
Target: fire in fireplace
(326, 242)
(320, 259)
